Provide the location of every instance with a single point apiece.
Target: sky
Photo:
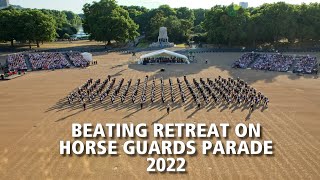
(76, 5)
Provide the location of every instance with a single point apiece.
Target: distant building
(244, 4)
(4, 4)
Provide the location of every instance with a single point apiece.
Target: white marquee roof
(163, 52)
(87, 56)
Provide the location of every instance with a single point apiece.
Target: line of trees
(221, 25)
(232, 25)
(106, 21)
(269, 23)
(67, 23)
(179, 21)
(35, 26)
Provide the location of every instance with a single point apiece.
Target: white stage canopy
(164, 53)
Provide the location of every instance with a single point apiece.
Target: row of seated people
(16, 62)
(163, 60)
(77, 59)
(48, 61)
(306, 64)
(273, 62)
(245, 60)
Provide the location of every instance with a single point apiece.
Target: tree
(155, 23)
(308, 22)
(140, 15)
(179, 23)
(73, 19)
(66, 36)
(65, 21)
(66, 29)
(166, 10)
(185, 13)
(277, 21)
(10, 25)
(26, 24)
(226, 24)
(214, 26)
(175, 30)
(107, 21)
(37, 26)
(199, 15)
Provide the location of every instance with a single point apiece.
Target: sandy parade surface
(35, 116)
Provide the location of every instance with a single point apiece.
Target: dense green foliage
(232, 25)
(66, 22)
(37, 25)
(226, 24)
(269, 24)
(179, 21)
(26, 25)
(106, 21)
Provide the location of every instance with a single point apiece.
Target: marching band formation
(218, 91)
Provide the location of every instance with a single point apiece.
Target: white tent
(87, 56)
(164, 53)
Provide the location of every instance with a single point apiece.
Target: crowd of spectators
(77, 59)
(306, 64)
(273, 62)
(244, 61)
(16, 62)
(277, 62)
(48, 61)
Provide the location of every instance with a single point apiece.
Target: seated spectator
(16, 62)
(77, 59)
(306, 64)
(273, 62)
(48, 61)
(244, 61)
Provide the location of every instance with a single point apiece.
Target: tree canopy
(232, 25)
(269, 23)
(26, 25)
(106, 21)
(222, 25)
(37, 26)
(226, 24)
(66, 21)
